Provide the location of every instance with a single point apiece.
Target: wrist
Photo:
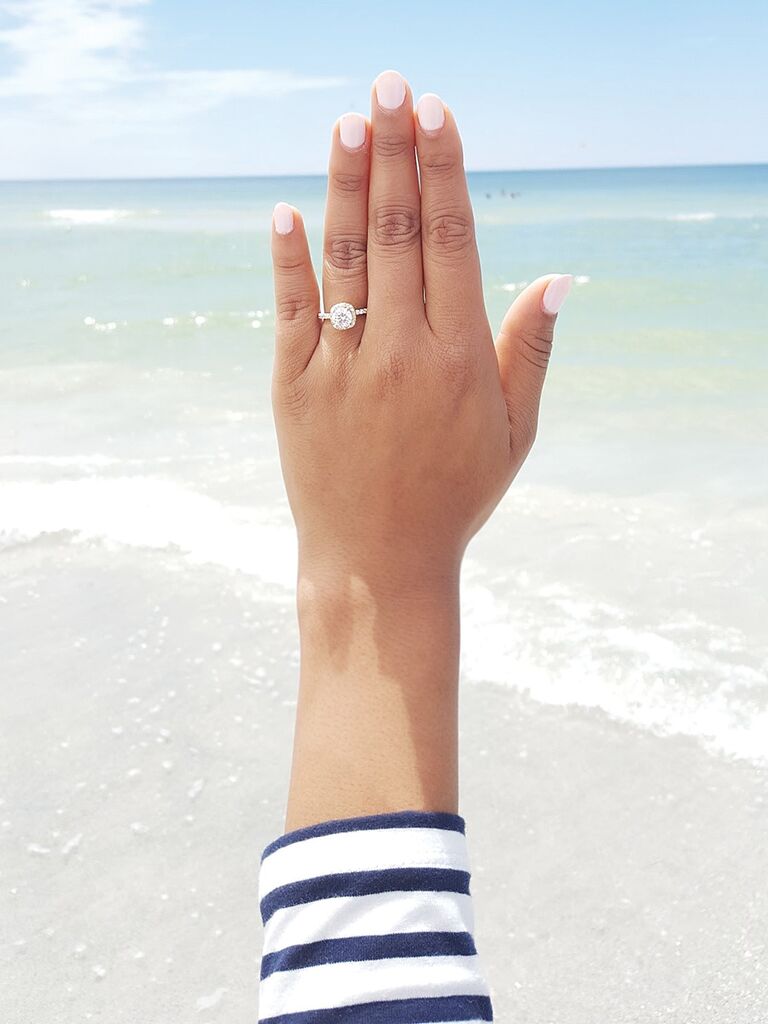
(378, 698)
(400, 598)
(397, 574)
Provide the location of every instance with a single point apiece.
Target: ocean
(627, 569)
(147, 554)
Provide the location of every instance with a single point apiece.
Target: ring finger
(345, 277)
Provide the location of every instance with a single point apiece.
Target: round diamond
(343, 316)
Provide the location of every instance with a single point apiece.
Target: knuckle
(344, 183)
(440, 164)
(289, 392)
(290, 308)
(522, 430)
(390, 372)
(395, 227)
(346, 253)
(536, 346)
(290, 264)
(390, 145)
(450, 232)
(456, 368)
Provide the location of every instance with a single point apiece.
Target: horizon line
(315, 174)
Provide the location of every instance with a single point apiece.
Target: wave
(149, 513)
(518, 286)
(85, 216)
(90, 462)
(554, 643)
(61, 461)
(706, 215)
(562, 647)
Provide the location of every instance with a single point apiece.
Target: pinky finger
(297, 297)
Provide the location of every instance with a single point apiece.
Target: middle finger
(395, 280)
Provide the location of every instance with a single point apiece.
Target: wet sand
(619, 876)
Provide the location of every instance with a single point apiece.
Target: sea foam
(705, 215)
(93, 216)
(564, 648)
(144, 512)
(556, 644)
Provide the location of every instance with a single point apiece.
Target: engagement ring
(343, 315)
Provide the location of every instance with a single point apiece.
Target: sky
(167, 88)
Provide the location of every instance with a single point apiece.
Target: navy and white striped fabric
(369, 921)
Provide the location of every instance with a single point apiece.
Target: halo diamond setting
(343, 316)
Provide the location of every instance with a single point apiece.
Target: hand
(397, 439)
(400, 435)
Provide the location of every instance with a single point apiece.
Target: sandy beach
(618, 875)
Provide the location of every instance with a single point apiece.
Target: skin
(397, 439)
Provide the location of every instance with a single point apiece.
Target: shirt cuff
(370, 920)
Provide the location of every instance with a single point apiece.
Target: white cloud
(203, 89)
(79, 46)
(81, 60)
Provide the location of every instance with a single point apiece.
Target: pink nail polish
(282, 218)
(390, 90)
(556, 293)
(430, 112)
(352, 130)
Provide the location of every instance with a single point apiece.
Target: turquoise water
(627, 568)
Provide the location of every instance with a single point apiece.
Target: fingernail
(430, 112)
(556, 293)
(352, 130)
(282, 218)
(390, 90)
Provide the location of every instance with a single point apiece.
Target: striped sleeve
(369, 921)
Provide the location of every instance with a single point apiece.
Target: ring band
(342, 315)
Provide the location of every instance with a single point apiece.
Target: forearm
(376, 726)
(366, 899)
